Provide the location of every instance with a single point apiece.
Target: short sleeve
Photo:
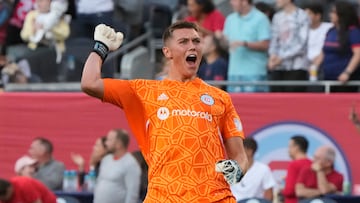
(265, 29)
(355, 37)
(231, 125)
(117, 92)
(268, 178)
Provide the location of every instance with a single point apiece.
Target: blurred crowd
(281, 40)
(121, 176)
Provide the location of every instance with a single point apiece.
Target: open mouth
(191, 58)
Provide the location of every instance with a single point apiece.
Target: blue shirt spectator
(248, 44)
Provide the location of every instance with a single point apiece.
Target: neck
(250, 161)
(300, 156)
(289, 8)
(119, 153)
(246, 11)
(179, 77)
(315, 25)
(44, 160)
(200, 17)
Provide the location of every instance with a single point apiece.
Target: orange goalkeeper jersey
(180, 128)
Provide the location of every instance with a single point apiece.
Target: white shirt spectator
(316, 40)
(256, 180)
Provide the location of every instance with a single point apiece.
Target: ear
(167, 52)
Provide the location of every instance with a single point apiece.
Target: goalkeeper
(188, 131)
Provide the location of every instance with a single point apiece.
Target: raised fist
(107, 35)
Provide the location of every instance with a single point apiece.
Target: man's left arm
(235, 151)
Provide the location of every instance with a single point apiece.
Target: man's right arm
(106, 40)
(91, 82)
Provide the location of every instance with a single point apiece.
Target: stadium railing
(75, 87)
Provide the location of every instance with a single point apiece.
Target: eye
(196, 41)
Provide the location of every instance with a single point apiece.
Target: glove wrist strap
(101, 49)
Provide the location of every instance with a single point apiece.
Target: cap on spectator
(22, 162)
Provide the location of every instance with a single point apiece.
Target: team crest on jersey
(238, 124)
(207, 99)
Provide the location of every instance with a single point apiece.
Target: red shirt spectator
(307, 177)
(293, 171)
(205, 15)
(29, 190)
(213, 21)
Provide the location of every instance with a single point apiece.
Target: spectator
(340, 59)
(40, 29)
(290, 29)
(19, 10)
(320, 178)
(42, 43)
(5, 12)
(120, 173)
(258, 181)
(49, 171)
(215, 54)
(204, 13)
(90, 13)
(25, 166)
(248, 45)
(318, 30)
(98, 152)
(25, 190)
(298, 147)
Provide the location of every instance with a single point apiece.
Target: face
(99, 148)
(313, 17)
(43, 5)
(240, 6)
(111, 141)
(282, 3)
(320, 158)
(28, 171)
(292, 149)
(333, 16)
(194, 8)
(184, 49)
(37, 150)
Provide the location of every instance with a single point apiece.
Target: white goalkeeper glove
(106, 39)
(230, 169)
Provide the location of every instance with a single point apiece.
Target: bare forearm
(259, 46)
(304, 192)
(268, 194)
(354, 62)
(91, 82)
(235, 151)
(323, 184)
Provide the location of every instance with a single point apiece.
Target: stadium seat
(318, 200)
(136, 64)
(254, 200)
